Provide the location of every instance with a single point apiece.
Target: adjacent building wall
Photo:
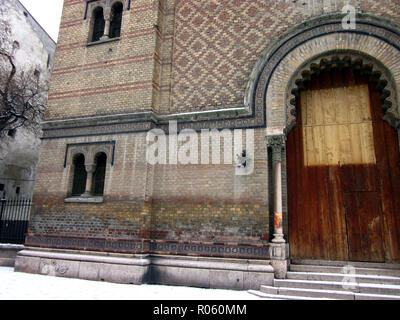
(19, 152)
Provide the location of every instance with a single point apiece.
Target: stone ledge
(11, 246)
(141, 261)
(8, 253)
(90, 44)
(147, 246)
(84, 200)
(203, 272)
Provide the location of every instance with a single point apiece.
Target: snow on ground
(23, 286)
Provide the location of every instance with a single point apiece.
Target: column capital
(107, 13)
(90, 168)
(276, 142)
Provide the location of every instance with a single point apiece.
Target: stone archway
(305, 48)
(270, 81)
(373, 69)
(343, 168)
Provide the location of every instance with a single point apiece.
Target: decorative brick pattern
(216, 45)
(205, 249)
(218, 42)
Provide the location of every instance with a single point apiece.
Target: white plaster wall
(19, 154)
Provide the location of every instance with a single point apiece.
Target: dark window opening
(116, 20)
(18, 190)
(1, 187)
(80, 175)
(98, 24)
(99, 175)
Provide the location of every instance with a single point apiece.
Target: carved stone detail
(372, 68)
(52, 267)
(277, 143)
(90, 150)
(260, 88)
(106, 5)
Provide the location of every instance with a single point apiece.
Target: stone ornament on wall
(277, 143)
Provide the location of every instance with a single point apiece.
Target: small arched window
(116, 20)
(99, 174)
(98, 24)
(80, 175)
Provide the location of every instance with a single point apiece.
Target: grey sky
(47, 13)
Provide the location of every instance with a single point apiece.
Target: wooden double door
(343, 173)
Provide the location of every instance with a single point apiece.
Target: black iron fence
(14, 219)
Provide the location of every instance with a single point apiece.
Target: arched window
(116, 20)
(80, 175)
(98, 24)
(99, 174)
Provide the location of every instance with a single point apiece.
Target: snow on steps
(281, 296)
(359, 278)
(334, 269)
(329, 280)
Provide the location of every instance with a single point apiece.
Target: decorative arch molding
(105, 4)
(90, 150)
(97, 151)
(375, 40)
(373, 69)
(75, 152)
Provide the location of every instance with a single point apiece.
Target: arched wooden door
(343, 173)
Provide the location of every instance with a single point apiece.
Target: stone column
(107, 18)
(90, 169)
(277, 143)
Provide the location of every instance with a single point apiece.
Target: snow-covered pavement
(23, 286)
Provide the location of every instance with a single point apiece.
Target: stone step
(339, 269)
(356, 264)
(359, 278)
(318, 279)
(339, 286)
(281, 297)
(270, 292)
(369, 296)
(307, 293)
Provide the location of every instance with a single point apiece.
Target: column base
(278, 238)
(280, 268)
(86, 195)
(279, 260)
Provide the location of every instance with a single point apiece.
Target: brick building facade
(215, 64)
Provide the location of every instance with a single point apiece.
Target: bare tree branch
(23, 94)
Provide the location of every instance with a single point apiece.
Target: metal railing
(14, 219)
